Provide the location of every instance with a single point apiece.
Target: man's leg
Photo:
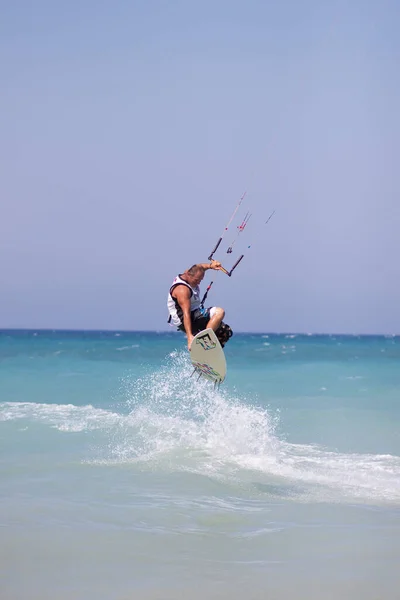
(216, 316)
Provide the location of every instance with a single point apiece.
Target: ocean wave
(172, 423)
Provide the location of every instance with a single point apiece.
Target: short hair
(196, 270)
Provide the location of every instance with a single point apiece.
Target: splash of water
(185, 425)
(171, 413)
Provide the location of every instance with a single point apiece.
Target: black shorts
(199, 318)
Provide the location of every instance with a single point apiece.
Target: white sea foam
(122, 348)
(64, 417)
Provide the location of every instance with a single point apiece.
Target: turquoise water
(121, 477)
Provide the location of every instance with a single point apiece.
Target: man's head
(194, 275)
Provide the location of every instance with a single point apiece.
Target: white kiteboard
(207, 356)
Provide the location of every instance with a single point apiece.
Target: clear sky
(130, 129)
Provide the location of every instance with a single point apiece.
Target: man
(184, 305)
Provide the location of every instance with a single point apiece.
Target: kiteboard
(207, 356)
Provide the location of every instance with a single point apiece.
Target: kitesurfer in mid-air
(186, 309)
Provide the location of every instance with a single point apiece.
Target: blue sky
(131, 129)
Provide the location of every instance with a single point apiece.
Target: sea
(124, 478)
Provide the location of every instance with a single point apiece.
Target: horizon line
(163, 331)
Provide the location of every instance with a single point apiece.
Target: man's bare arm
(182, 294)
(214, 264)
